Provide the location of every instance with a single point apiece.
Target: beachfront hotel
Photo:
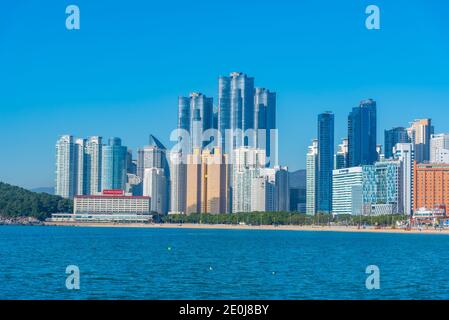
(431, 186)
(110, 206)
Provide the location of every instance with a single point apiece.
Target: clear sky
(121, 73)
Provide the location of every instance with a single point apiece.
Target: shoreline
(249, 227)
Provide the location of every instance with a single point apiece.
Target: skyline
(107, 72)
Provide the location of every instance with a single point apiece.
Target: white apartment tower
(65, 184)
(311, 178)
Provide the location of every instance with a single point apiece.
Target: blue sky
(121, 73)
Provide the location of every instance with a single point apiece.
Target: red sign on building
(113, 192)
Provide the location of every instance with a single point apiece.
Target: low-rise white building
(110, 206)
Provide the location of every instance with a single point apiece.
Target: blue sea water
(137, 263)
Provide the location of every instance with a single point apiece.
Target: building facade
(348, 191)
(247, 165)
(155, 187)
(420, 132)
(362, 131)
(114, 165)
(393, 137)
(265, 122)
(65, 184)
(439, 148)
(311, 178)
(208, 182)
(341, 157)
(405, 153)
(325, 161)
(431, 186)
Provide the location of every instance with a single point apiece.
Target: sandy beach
(249, 227)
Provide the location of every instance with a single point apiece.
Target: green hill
(19, 202)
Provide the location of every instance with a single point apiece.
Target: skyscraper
(265, 121)
(325, 161)
(419, 132)
(405, 153)
(155, 187)
(311, 178)
(341, 157)
(65, 184)
(362, 129)
(439, 148)
(236, 108)
(154, 156)
(282, 195)
(82, 187)
(393, 137)
(114, 165)
(195, 115)
(178, 183)
(247, 166)
(208, 182)
(94, 151)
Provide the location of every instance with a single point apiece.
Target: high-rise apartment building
(178, 183)
(195, 115)
(325, 161)
(235, 109)
(82, 187)
(362, 130)
(155, 187)
(420, 132)
(393, 137)
(311, 178)
(341, 157)
(405, 153)
(208, 182)
(94, 154)
(265, 122)
(282, 195)
(247, 165)
(154, 156)
(65, 184)
(439, 148)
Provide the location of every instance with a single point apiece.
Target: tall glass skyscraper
(195, 115)
(235, 106)
(184, 113)
(393, 137)
(114, 165)
(362, 130)
(265, 120)
(325, 161)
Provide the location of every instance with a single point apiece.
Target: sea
(47, 262)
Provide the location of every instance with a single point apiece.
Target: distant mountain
(49, 190)
(19, 202)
